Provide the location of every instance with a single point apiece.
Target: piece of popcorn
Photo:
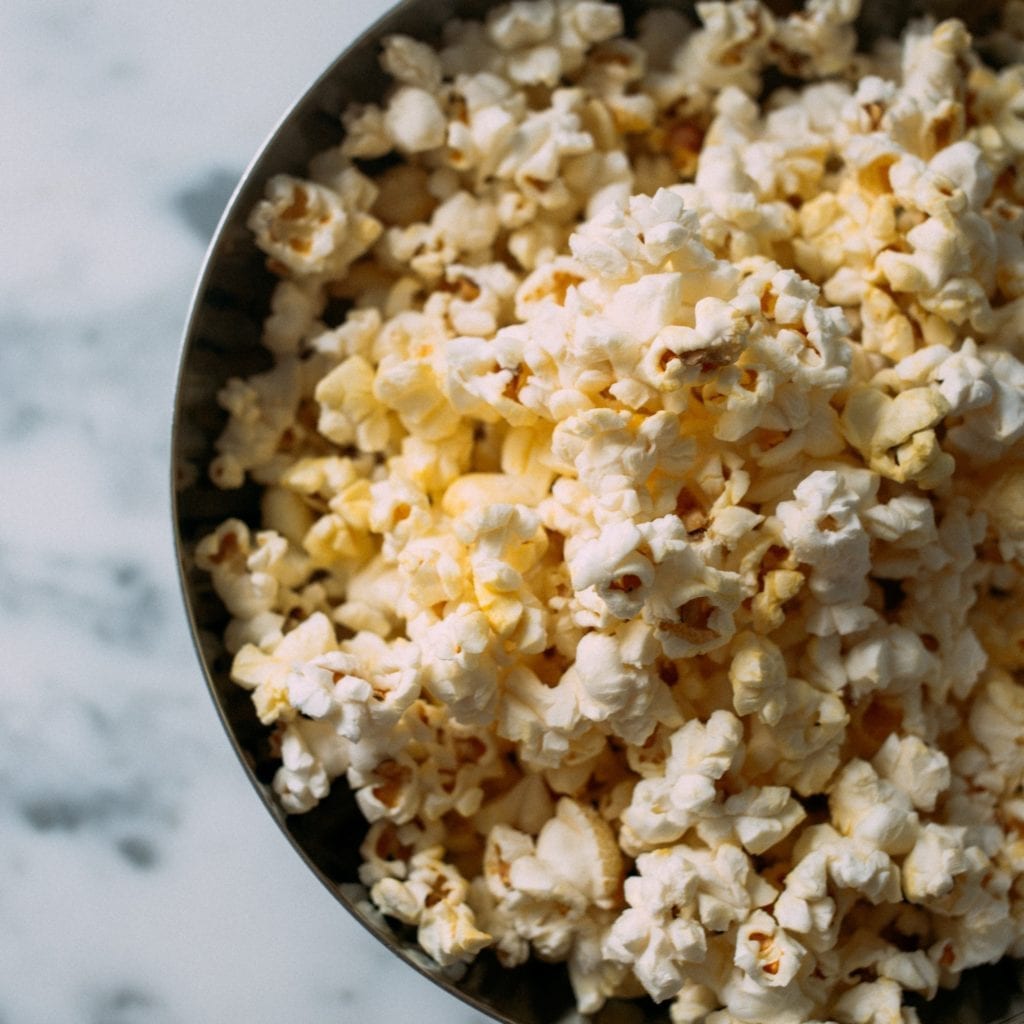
(683, 355)
(994, 718)
(266, 673)
(1002, 501)
(544, 722)
(616, 459)
(658, 936)
(888, 658)
(729, 50)
(480, 298)
(433, 898)
(747, 1000)
(870, 1002)
(930, 868)
(463, 665)
(821, 855)
(411, 62)
(295, 307)
(349, 411)
(766, 953)
(823, 528)
(729, 887)
(364, 687)
(225, 554)
(506, 542)
(819, 40)
(311, 758)
(663, 807)
(426, 766)
(526, 806)
(460, 227)
(414, 390)
(755, 819)
(803, 748)
(541, 890)
(758, 676)
(365, 133)
(593, 976)
(869, 808)
(915, 768)
(371, 597)
(521, 24)
(387, 849)
(692, 1004)
(399, 512)
(534, 154)
(264, 630)
(913, 970)
(691, 605)
(618, 684)
(312, 229)
(264, 423)
(990, 428)
(414, 120)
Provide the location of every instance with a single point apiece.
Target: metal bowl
(222, 340)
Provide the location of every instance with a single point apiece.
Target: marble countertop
(141, 880)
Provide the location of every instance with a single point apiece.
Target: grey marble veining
(141, 881)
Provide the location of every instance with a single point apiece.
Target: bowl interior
(221, 341)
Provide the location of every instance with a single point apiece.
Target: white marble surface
(141, 881)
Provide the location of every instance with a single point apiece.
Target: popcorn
(758, 677)
(412, 63)
(913, 767)
(866, 807)
(658, 935)
(766, 953)
(823, 529)
(821, 41)
(540, 892)
(465, 664)
(247, 592)
(414, 120)
(755, 819)
(617, 685)
(312, 229)
(349, 411)
(929, 869)
(643, 543)
(803, 749)
(311, 758)
(266, 673)
(263, 425)
(295, 307)
(433, 898)
(663, 807)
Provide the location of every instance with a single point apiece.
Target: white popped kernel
(414, 120)
(664, 806)
(659, 934)
(432, 897)
(915, 768)
(312, 229)
(868, 808)
(766, 953)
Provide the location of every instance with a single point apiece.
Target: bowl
(221, 340)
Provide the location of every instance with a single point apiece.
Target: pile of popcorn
(642, 469)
